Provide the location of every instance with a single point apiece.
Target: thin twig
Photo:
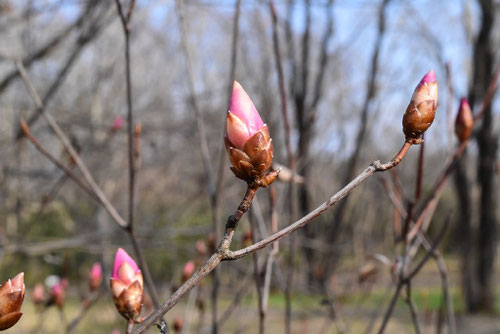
(388, 313)
(125, 20)
(413, 311)
(61, 166)
(86, 304)
(406, 279)
(489, 94)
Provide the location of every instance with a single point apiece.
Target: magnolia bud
(201, 248)
(211, 242)
(200, 303)
(464, 122)
(95, 276)
(178, 324)
(248, 143)
(11, 299)
(188, 271)
(127, 286)
(58, 294)
(38, 294)
(420, 112)
(117, 124)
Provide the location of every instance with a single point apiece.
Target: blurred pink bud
(178, 324)
(201, 248)
(188, 270)
(95, 276)
(11, 299)
(58, 293)
(464, 122)
(243, 119)
(64, 283)
(127, 286)
(38, 294)
(124, 267)
(117, 123)
(211, 242)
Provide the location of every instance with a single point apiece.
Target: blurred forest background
(350, 67)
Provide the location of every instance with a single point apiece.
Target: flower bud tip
(429, 77)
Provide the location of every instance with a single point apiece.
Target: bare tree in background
(478, 263)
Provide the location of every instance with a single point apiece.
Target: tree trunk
(479, 290)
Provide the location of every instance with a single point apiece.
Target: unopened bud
(211, 242)
(117, 123)
(248, 143)
(178, 324)
(420, 112)
(95, 276)
(58, 294)
(188, 271)
(200, 303)
(464, 122)
(201, 248)
(127, 286)
(11, 299)
(38, 294)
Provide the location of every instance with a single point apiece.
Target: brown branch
(223, 252)
(420, 171)
(374, 167)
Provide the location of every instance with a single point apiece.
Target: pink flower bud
(243, 119)
(248, 142)
(117, 123)
(464, 122)
(58, 294)
(95, 276)
(188, 270)
(201, 248)
(11, 299)
(178, 324)
(420, 112)
(38, 294)
(127, 286)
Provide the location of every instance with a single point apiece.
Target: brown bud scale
(253, 162)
